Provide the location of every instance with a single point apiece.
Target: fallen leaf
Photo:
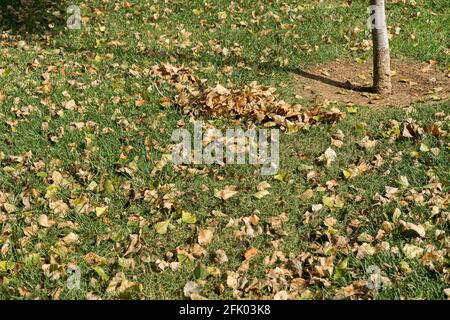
(188, 217)
(100, 211)
(411, 251)
(261, 194)
(205, 236)
(221, 256)
(139, 102)
(191, 288)
(71, 238)
(161, 227)
(281, 295)
(250, 253)
(306, 195)
(412, 230)
(263, 186)
(44, 222)
(226, 193)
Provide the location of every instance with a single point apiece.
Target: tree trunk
(381, 57)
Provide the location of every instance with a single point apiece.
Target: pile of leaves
(253, 102)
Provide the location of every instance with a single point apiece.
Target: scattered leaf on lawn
(188, 217)
(161, 227)
(205, 236)
(226, 193)
(250, 253)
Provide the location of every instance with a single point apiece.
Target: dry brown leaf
(71, 238)
(250, 253)
(44, 222)
(226, 193)
(205, 236)
(412, 230)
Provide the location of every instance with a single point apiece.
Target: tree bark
(381, 54)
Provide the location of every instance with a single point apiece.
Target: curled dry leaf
(328, 157)
(306, 195)
(367, 144)
(233, 280)
(412, 230)
(387, 226)
(250, 253)
(93, 258)
(411, 251)
(198, 251)
(329, 221)
(71, 238)
(364, 250)
(263, 186)
(205, 236)
(221, 256)
(281, 295)
(191, 288)
(134, 245)
(226, 193)
(447, 292)
(261, 194)
(121, 286)
(44, 222)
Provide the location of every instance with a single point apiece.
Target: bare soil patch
(350, 82)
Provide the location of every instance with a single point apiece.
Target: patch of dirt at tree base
(350, 83)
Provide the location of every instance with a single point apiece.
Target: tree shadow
(31, 17)
(305, 74)
(345, 85)
(187, 59)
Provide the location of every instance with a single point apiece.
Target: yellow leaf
(328, 201)
(101, 273)
(188, 217)
(51, 191)
(281, 176)
(161, 227)
(109, 187)
(99, 211)
(261, 194)
(7, 265)
(347, 174)
(352, 109)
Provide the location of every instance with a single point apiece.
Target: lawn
(85, 134)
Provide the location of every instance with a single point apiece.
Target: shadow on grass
(316, 77)
(186, 59)
(31, 17)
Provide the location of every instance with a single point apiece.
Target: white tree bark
(381, 54)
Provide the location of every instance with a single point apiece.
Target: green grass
(152, 32)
